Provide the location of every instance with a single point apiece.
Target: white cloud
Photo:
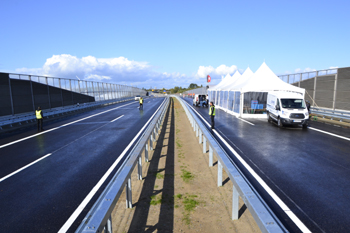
(217, 72)
(298, 70)
(117, 70)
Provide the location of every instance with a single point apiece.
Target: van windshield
(293, 103)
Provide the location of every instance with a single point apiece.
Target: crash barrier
(50, 113)
(333, 114)
(262, 214)
(99, 217)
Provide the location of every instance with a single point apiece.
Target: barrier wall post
(31, 91)
(13, 112)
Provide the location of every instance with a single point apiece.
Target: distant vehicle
(137, 97)
(200, 100)
(287, 108)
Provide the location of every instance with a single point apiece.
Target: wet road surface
(41, 197)
(309, 170)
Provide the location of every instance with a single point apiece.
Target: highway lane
(307, 169)
(42, 197)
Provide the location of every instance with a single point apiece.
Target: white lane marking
(245, 121)
(117, 118)
(283, 206)
(87, 199)
(13, 173)
(234, 115)
(46, 131)
(332, 134)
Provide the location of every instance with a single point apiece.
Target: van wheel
(305, 126)
(279, 122)
(268, 118)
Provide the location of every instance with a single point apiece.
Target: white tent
(233, 79)
(264, 80)
(245, 76)
(222, 83)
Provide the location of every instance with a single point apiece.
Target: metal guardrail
(262, 214)
(331, 113)
(99, 217)
(30, 116)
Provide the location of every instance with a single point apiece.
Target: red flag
(208, 78)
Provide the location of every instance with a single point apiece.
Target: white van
(200, 100)
(287, 108)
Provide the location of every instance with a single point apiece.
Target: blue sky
(168, 43)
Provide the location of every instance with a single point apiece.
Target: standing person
(39, 119)
(308, 106)
(212, 114)
(207, 99)
(141, 103)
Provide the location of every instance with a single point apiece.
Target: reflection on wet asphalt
(308, 170)
(42, 197)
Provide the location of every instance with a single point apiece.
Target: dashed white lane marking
(332, 134)
(47, 131)
(87, 199)
(273, 195)
(117, 118)
(13, 173)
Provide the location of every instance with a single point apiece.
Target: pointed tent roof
(222, 83)
(246, 75)
(264, 80)
(234, 78)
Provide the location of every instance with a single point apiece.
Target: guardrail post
(210, 156)
(219, 174)
(197, 130)
(139, 166)
(200, 136)
(204, 144)
(146, 152)
(154, 133)
(108, 226)
(235, 203)
(128, 193)
(151, 142)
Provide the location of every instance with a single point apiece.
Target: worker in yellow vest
(141, 103)
(212, 114)
(39, 119)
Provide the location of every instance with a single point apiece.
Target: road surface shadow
(142, 216)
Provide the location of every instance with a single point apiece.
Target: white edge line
(117, 118)
(245, 121)
(13, 173)
(87, 199)
(332, 134)
(46, 131)
(283, 206)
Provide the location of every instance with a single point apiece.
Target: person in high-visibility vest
(212, 114)
(39, 119)
(141, 103)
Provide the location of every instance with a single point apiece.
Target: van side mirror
(277, 108)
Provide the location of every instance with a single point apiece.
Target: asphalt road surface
(309, 170)
(45, 177)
